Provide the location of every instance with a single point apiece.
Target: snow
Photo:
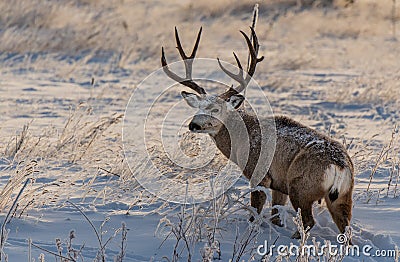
(69, 68)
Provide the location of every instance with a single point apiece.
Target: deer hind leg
(257, 200)
(306, 216)
(300, 194)
(340, 210)
(278, 198)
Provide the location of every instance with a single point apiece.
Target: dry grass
(366, 90)
(85, 155)
(86, 144)
(292, 39)
(74, 26)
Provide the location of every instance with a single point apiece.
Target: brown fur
(301, 158)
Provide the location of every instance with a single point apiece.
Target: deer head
(213, 110)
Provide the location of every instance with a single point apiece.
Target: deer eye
(215, 110)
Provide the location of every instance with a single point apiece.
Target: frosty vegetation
(68, 68)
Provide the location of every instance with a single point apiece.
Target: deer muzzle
(194, 127)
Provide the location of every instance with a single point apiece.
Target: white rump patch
(337, 178)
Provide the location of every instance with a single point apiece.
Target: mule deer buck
(306, 165)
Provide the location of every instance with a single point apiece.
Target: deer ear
(191, 99)
(236, 100)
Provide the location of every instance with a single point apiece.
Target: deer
(306, 166)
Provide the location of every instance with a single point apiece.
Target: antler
(188, 60)
(239, 77)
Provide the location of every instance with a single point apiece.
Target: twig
(397, 179)
(374, 169)
(383, 155)
(18, 143)
(3, 226)
(105, 170)
(88, 220)
(53, 253)
(30, 250)
(124, 233)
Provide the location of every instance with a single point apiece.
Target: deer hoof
(296, 235)
(276, 221)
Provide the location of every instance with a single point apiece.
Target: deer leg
(257, 200)
(306, 216)
(278, 198)
(299, 199)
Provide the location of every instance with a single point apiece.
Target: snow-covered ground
(69, 68)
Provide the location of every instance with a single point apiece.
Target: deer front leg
(278, 198)
(257, 200)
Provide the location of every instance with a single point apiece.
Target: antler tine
(179, 45)
(237, 77)
(188, 61)
(253, 49)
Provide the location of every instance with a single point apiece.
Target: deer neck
(222, 140)
(234, 141)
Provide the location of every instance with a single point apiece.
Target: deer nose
(194, 127)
